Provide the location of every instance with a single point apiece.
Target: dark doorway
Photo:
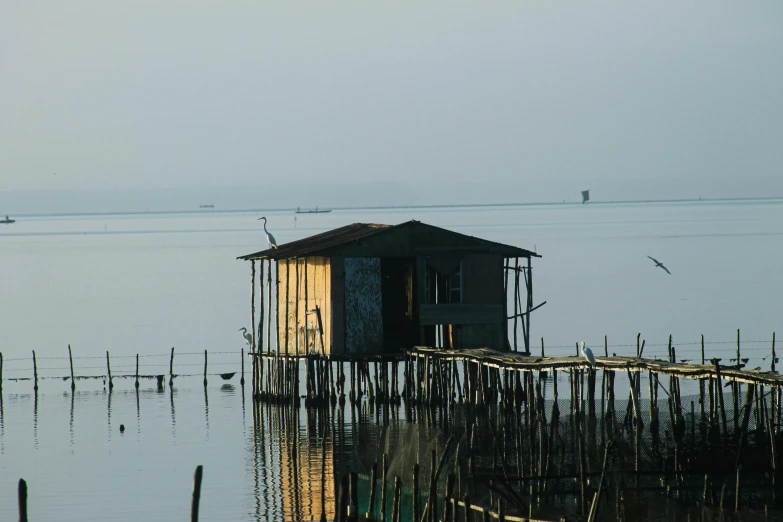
(400, 325)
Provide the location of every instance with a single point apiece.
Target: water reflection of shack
(375, 289)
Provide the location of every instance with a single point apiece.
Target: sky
(507, 99)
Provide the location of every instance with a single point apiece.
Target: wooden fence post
(196, 493)
(171, 367)
(108, 370)
(70, 358)
(22, 500)
(35, 373)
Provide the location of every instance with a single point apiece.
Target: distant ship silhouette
(7, 220)
(206, 206)
(316, 210)
(585, 196)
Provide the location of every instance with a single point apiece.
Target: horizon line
(397, 207)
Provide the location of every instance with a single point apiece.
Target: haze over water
(143, 283)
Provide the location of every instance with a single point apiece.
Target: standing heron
(248, 337)
(269, 237)
(587, 353)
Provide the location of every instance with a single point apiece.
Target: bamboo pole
(384, 470)
(370, 515)
(258, 364)
(396, 500)
(35, 373)
(70, 359)
(136, 383)
(416, 503)
(171, 367)
(205, 368)
(1, 372)
(529, 303)
(22, 496)
(108, 370)
(516, 301)
(196, 493)
(242, 361)
(353, 507)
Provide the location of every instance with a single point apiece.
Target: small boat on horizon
(206, 206)
(316, 210)
(7, 220)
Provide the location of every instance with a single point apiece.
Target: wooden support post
(35, 373)
(171, 368)
(296, 307)
(242, 359)
(269, 315)
(516, 301)
(448, 513)
(252, 346)
(205, 368)
(258, 363)
(196, 493)
(772, 364)
(416, 499)
(1, 372)
(719, 391)
(370, 515)
(22, 495)
(287, 291)
(70, 359)
(136, 384)
(108, 370)
(384, 469)
(529, 303)
(396, 500)
(340, 505)
(353, 506)
(597, 497)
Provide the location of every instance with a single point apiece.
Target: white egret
(587, 353)
(247, 336)
(269, 237)
(659, 264)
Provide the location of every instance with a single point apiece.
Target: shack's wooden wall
(355, 313)
(363, 305)
(303, 327)
(482, 284)
(337, 341)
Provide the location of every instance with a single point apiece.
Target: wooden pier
(595, 448)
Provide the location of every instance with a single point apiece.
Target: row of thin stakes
(449, 509)
(160, 378)
(194, 504)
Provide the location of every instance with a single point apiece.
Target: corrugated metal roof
(326, 242)
(318, 242)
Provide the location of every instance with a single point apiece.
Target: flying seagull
(658, 263)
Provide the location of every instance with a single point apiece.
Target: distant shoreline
(402, 207)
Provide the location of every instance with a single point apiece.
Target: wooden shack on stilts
(363, 293)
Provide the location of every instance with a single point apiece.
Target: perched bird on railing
(587, 353)
(247, 336)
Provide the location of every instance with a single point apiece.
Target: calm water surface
(144, 283)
